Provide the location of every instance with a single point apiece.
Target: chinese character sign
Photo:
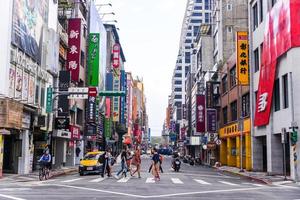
(281, 34)
(211, 120)
(242, 61)
(116, 100)
(200, 113)
(73, 56)
(93, 59)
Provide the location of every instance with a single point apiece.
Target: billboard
(200, 113)
(242, 57)
(74, 51)
(282, 32)
(211, 115)
(29, 18)
(93, 61)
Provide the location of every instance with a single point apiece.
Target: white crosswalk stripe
(123, 180)
(71, 180)
(150, 180)
(255, 184)
(228, 183)
(97, 180)
(176, 181)
(202, 182)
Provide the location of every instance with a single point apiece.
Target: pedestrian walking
(136, 160)
(155, 165)
(123, 169)
(107, 165)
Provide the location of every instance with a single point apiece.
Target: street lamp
(110, 13)
(241, 118)
(111, 21)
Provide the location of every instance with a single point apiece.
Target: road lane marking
(157, 196)
(176, 181)
(11, 197)
(71, 180)
(202, 182)
(123, 180)
(97, 180)
(150, 180)
(228, 183)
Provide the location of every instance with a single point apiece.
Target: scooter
(176, 165)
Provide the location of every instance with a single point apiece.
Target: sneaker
(116, 177)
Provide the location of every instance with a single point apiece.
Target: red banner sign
(200, 113)
(116, 56)
(281, 34)
(107, 107)
(75, 132)
(74, 51)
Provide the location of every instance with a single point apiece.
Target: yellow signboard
(242, 57)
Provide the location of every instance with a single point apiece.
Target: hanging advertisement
(107, 106)
(116, 100)
(25, 86)
(12, 78)
(64, 80)
(211, 115)
(116, 56)
(93, 61)
(200, 114)
(75, 132)
(123, 98)
(242, 57)
(281, 34)
(31, 89)
(29, 18)
(74, 51)
(209, 94)
(91, 110)
(107, 128)
(19, 83)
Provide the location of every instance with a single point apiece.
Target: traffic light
(294, 137)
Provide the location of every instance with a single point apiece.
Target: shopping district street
(199, 99)
(191, 182)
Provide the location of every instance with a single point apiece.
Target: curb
(246, 176)
(64, 172)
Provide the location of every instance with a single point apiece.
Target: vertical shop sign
(242, 60)
(211, 120)
(74, 51)
(31, 89)
(91, 110)
(93, 66)
(107, 127)
(116, 100)
(49, 100)
(281, 34)
(19, 83)
(116, 56)
(122, 99)
(200, 113)
(25, 86)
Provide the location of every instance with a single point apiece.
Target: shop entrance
(264, 153)
(12, 151)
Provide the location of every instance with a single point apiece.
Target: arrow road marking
(123, 180)
(150, 180)
(227, 183)
(71, 180)
(176, 181)
(97, 180)
(202, 182)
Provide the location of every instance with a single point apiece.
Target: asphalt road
(192, 182)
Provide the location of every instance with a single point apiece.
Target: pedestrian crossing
(151, 180)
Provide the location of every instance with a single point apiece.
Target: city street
(192, 182)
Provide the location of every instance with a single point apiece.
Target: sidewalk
(258, 176)
(35, 175)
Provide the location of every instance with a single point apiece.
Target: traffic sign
(218, 142)
(112, 93)
(78, 93)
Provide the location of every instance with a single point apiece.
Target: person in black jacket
(123, 162)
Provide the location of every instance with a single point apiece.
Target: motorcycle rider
(175, 158)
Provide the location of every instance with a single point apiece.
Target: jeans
(123, 168)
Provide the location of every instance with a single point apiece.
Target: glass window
(207, 5)
(196, 20)
(187, 57)
(256, 60)
(42, 103)
(177, 75)
(178, 90)
(177, 97)
(224, 84)
(179, 68)
(255, 16)
(229, 7)
(187, 68)
(198, 1)
(197, 14)
(233, 76)
(189, 34)
(229, 29)
(261, 11)
(285, 91)
(225, 119)
(188, 41)
(37, 91)
(246, 105)
(233, 110)
(178, 82)
(207, 16)
(277, 95)
(198, 8)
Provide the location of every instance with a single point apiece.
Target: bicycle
(44, 172)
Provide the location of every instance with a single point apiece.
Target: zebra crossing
(151, 180)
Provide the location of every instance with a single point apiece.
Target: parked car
(91, 163)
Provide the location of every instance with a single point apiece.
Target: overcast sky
(149, 35)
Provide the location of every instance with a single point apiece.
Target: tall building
(274, 98)
(196, 13)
